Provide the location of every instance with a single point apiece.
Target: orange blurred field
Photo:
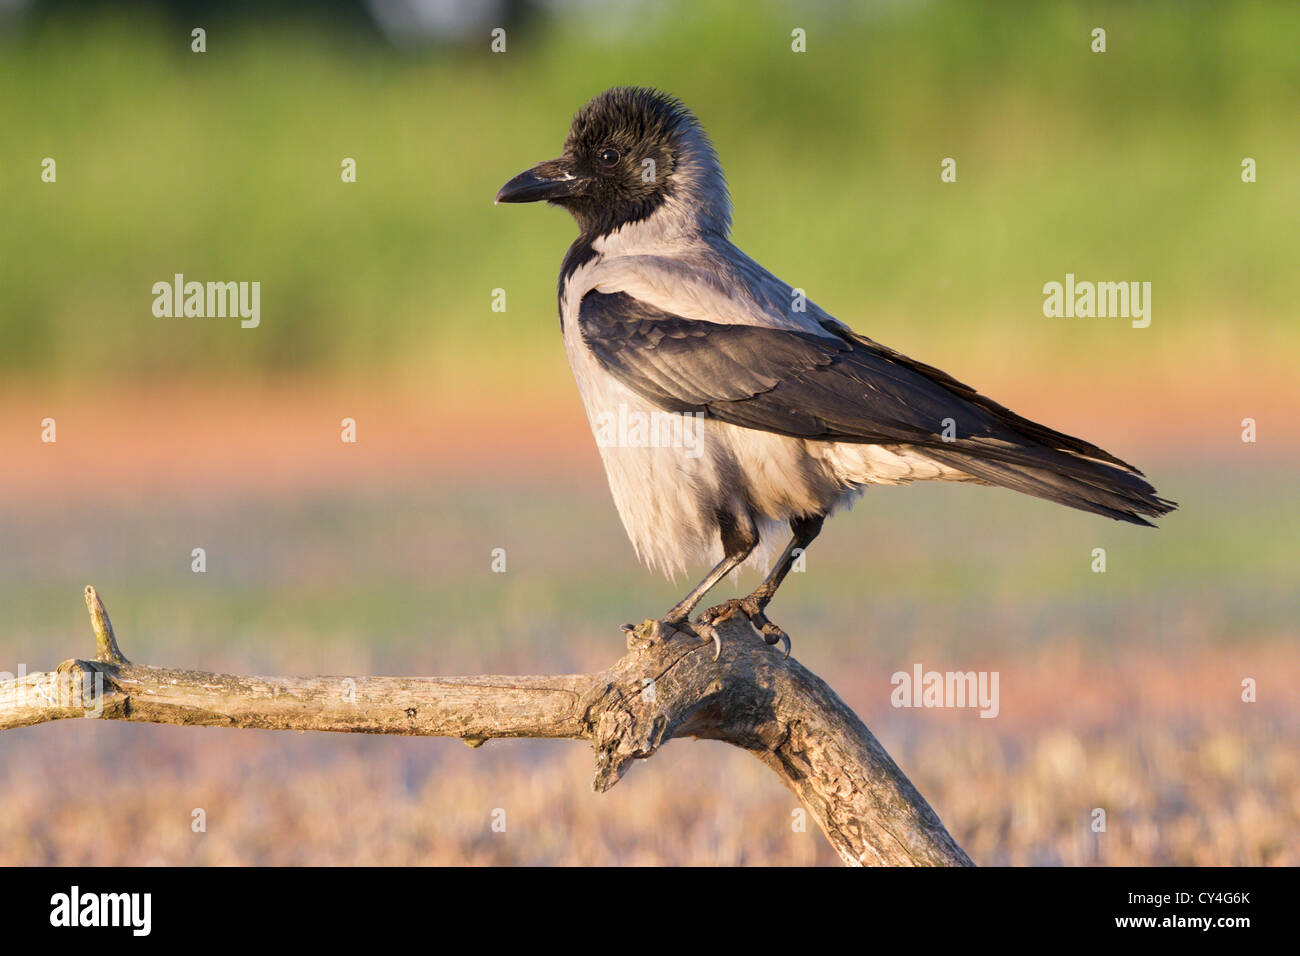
(1119, 691)
(1187, 776)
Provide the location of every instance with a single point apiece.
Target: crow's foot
(747, 606)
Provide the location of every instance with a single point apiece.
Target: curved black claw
(701, 629)
(710, 633)
(750, 608)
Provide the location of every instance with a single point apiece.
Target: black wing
(845, 387)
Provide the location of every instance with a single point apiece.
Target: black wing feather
(844, 387)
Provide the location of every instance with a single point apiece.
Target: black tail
(1117, 491)
(1011, 451)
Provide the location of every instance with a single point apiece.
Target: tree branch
(667, 685)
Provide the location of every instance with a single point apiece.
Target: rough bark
(667, 685)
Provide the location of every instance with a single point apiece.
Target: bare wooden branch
(667, 685)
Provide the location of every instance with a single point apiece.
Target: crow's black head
(630, 153)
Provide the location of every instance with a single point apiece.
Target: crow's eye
(609, 156)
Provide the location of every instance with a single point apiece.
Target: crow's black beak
(553, 179)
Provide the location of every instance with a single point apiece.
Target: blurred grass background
(1123, 165)
(1120, 690)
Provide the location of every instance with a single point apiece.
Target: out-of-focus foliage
(226, 165)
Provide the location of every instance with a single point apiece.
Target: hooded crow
(790, 413)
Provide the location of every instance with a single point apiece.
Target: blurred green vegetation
(225, 165)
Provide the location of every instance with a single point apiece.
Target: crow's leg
(753, 605)
(739, 538)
